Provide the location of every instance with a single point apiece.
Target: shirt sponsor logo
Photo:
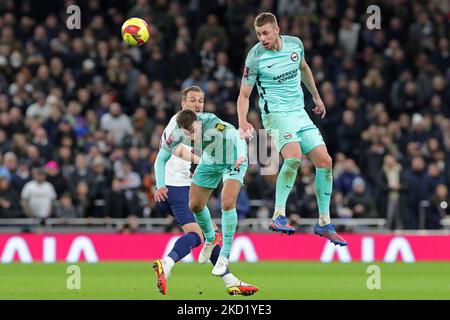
(220, 127)
(286, 76)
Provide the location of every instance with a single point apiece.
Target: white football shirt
(39, 197)
(178, 172)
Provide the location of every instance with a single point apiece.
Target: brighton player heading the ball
(173, 196)
(224, 158)
(277, 66)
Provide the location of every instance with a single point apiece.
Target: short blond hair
(186, 90)
(265, 18)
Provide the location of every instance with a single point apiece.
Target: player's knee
(193, 228)
(292, 164)
(228, 203)
(325, 162)
(200, 234)
(291, 150)
(195, 206)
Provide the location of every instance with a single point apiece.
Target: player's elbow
(304, 66)
(245, 92)
(243, 96)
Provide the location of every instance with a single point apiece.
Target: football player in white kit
(174, 199)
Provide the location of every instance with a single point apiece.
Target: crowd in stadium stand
(81, 113)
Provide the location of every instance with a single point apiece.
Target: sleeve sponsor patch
(169, 140)
(246, 72)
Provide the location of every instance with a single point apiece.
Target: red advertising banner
(246, 247)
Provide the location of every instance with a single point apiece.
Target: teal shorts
(209, 175)
(286, 127)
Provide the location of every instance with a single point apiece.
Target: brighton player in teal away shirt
(277, 66)
(224, 158)
(172, 196)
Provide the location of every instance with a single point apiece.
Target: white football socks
(167, 264)
(230, 280)
(324, 219)
(279, 211)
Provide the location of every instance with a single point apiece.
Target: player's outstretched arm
(245, 128)
(184, 153)
(308, 80)
(160, 175)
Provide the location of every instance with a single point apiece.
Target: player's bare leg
(229, 195)
(192, 238)
(198, 197)
(324, 187)
(292, 154)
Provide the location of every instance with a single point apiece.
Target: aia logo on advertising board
(252, 247)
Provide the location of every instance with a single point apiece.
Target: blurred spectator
(129, 179)
(99, 187)
(213, 31)
(21, 176)
(390, 181)
(339, 208)
(10, 163)
(417, 182)
(180, 62)
(4, 171)
(441, 200)
(439, 208)
(196, 78)
(79, 172)
(359, 201)
(5, 144)
(38, 196)
(243, 204)
(40, 109)
(65, 209)
(81, 199)
(41, 141)
(139, 160)
(207, 57)
(52, 122)
(344, 181)
(140, 9)
(348, 34)
(55, 177)
(115, 123)
(9, 200)
(436, 177)
(348, 132)
(88, 103)
(288, 7)
(116, 201)
(142, 125)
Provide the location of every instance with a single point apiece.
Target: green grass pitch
(276, 280)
